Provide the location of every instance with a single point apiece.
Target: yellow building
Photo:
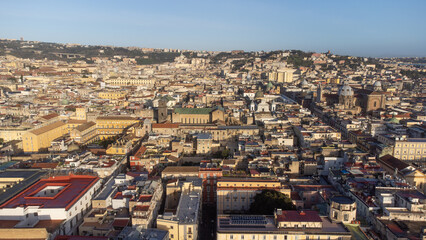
(108, 126)
(121, 147)
(80, 114)
(84, 133)
(112, 95)
(12, 133)
(41, 138)
(281, 76)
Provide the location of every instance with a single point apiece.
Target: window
(242, 237)
(171, 235)
(231, 236)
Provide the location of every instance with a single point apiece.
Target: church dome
(377, 86)
(346, 90)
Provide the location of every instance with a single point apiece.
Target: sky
(373, 28)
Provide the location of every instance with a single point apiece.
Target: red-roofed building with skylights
(55, 204)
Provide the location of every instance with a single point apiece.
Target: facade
(197, 115)
(111, 95)
(236, 195)
(56, 204)
(41, 138)
(410, 149)
(84, 133)
(118, 81)
(284, 225)
(108, 126)
(342, 209)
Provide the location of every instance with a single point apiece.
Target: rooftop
(66, 191)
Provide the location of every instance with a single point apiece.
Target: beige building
(197, 115)
(281, 76)
(236, 195)
(410, 149)
(84, 133)
(41, 138)
(284, 225)
(342, 209)
(182, 210)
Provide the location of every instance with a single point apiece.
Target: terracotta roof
(165, 125)
(181, 169)
(47, 128)
(393, 162)
(85, 126)
(50, 116)
(45, 165)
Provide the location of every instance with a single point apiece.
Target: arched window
(375, 104)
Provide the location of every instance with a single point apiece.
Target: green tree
(268, 200)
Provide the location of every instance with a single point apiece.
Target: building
(284, 225)
(50, 207)
(342, 209)
(182, 211)
(410, 149)
(112, 95)
(84, 133)
(204, 143)
(209, 173)
(236, 195)
(109, 126)
(197, 115)
(40, 139)
(174, 172)
(118, 81)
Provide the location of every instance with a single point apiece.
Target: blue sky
(361, 28)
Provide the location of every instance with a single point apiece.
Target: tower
(319, 93)
(162, 111)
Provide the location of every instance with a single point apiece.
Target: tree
(225, 153)
(268, 200)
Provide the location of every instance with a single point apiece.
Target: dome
(377, 86)
(259, 94)
(346, 90)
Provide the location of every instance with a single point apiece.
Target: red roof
(120, 223)
(73, 188)
(296, 216)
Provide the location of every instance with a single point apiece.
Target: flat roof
(265, 223)
(73, 187)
